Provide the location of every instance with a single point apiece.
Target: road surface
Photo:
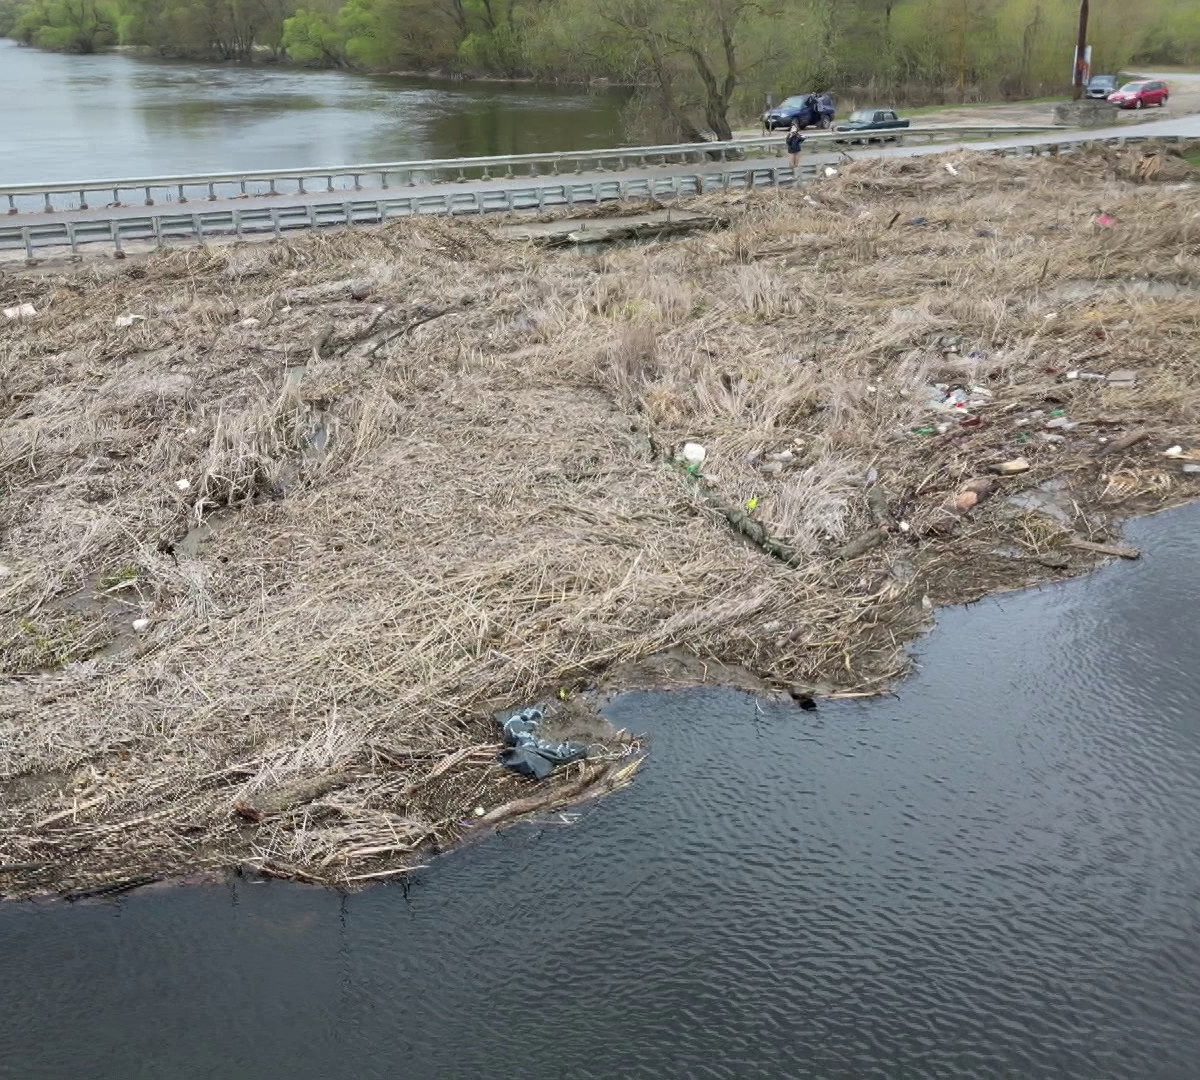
(1187, 126)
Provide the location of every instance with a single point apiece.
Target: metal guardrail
(164, 227)
(150, 191)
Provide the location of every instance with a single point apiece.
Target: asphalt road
(1186, 126)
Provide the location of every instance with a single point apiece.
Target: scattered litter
(985, 234)
(6, 571)
(830, 171)
(1106, 221)
(128, 320)
(1189, 468)
(917, 222)
(1124, 442)
(1124, 379)
(531, 756)
(1051, 437)
(141, 624)
(249, 322)
(752, 504)
(905, 526)
(970, 496)
(21, 311)
(1173, 451)
(1062, 423)
(951, 169)
(1011, 468)
(183, 485)
(479, 811)
(1086, 376)
(694, 453)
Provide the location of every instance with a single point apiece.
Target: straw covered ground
(368, 487)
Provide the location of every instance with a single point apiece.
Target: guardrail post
(212, 192)
(71, 238)
(28, 238)
(12, 205)
(156, 225)
(182, 195)
(312, 216)
(114, 233)
(49, 205)
(383, 181)
(198, 228)
(116, 197)
(149, 198)
(275, 220)
(300, 181)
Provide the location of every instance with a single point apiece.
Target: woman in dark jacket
(794, 142)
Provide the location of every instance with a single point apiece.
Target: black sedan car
(801, 108)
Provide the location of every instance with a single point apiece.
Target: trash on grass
(141, 624)
(693, 453)
(21, 311)
(183, 485)
(970, 496)
(1173, 451)
(531, 756)
(1124, 379)
(1011, 468)
(951, 169)
(128, 320)
(1086, 376)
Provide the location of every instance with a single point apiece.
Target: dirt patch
(374, 487)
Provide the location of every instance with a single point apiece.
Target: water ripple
(995, 875)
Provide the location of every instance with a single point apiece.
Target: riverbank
(368, 488)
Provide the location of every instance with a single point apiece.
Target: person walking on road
(794, 143)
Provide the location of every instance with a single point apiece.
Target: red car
(1137, 95)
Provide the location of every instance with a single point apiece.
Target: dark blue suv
(801, 108)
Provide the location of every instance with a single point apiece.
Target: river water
(992, 874)
(114, 115)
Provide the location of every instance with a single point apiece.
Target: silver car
(1100, 86)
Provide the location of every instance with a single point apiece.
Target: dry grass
(464, 499)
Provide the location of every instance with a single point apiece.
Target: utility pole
(1081, 49)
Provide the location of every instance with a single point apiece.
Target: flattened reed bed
(434, 474)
